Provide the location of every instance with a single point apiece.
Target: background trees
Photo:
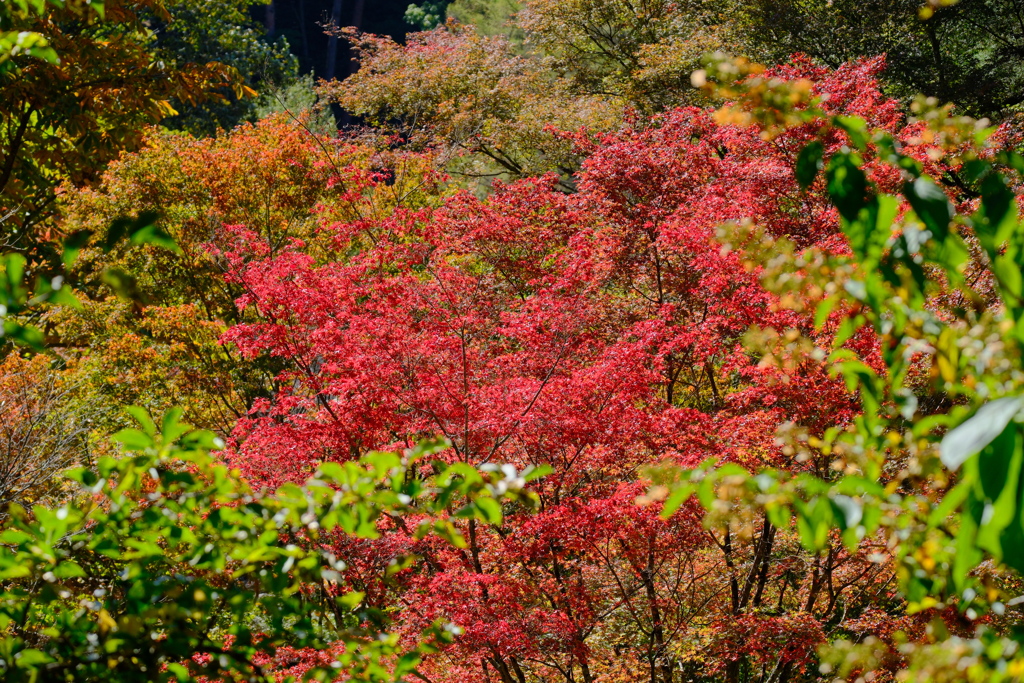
(640, 52)
(44, 431)
(484, 109)
(223, 33)
(66, 115)
(967, 53)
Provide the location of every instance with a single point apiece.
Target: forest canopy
(589, 341)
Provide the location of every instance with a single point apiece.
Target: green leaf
(995, 462)
(124, 285)
(978, 431)
(532, 473)
(30, 43)
(489, 510)
(847, 186)
(125, 227)
(14, 537)
(779, 515)
(201, 439)
(179, 672)
(73, 245)
(806, 532)
(823, 311)
(680, 494)
(133, 439)
(62, 296)
(859, 486)
(952, 500)
(13, 268)
(931, 205)
(150, 234)
(808, 163)
(68, 570)
(856, 128)
(171, 427)
(82, 475)
(331, 471)
(31, 658)
(999, 469)
(850, 509)
(997, 216)
(427, 448)
(26, 335)
(142, 417)
(1011, 280)
(350, 600)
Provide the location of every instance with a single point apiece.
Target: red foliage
(789, 640)
(598, 332)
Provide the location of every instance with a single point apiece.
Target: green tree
(641, 53)
(488, 111)
(427, 15)
(67, 109)
(169, 569)
(221, 32)
(970, 52)
(490, 17)
(14, 43)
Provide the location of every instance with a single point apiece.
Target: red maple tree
(597, 332)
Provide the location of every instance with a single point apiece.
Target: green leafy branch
(19, 299)
(167, 567)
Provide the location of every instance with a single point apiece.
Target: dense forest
(512, 341)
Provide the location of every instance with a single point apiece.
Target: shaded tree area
(302, 22)
(970, 53)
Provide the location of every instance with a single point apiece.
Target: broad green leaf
(151, 234)
(533, 473)
(143, 418)
(489, 509)
(847, 187)
(68, 570)
(950, 503)
(123, 284)
(171, 427)
(133, 439)
(978, 431)
(73, 245)
(808, 163)
(931, 205)
(32, 658)
(679, 495)
(997, 215)
(124, 227)
(26, 335)
(350, 600)
(823, 311)
(856, 128)
(850, 510)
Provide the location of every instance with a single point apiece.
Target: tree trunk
(357, 22)
(357, 14)
(270, 19)
(660, 661)
(302, 29)
(332, 41)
